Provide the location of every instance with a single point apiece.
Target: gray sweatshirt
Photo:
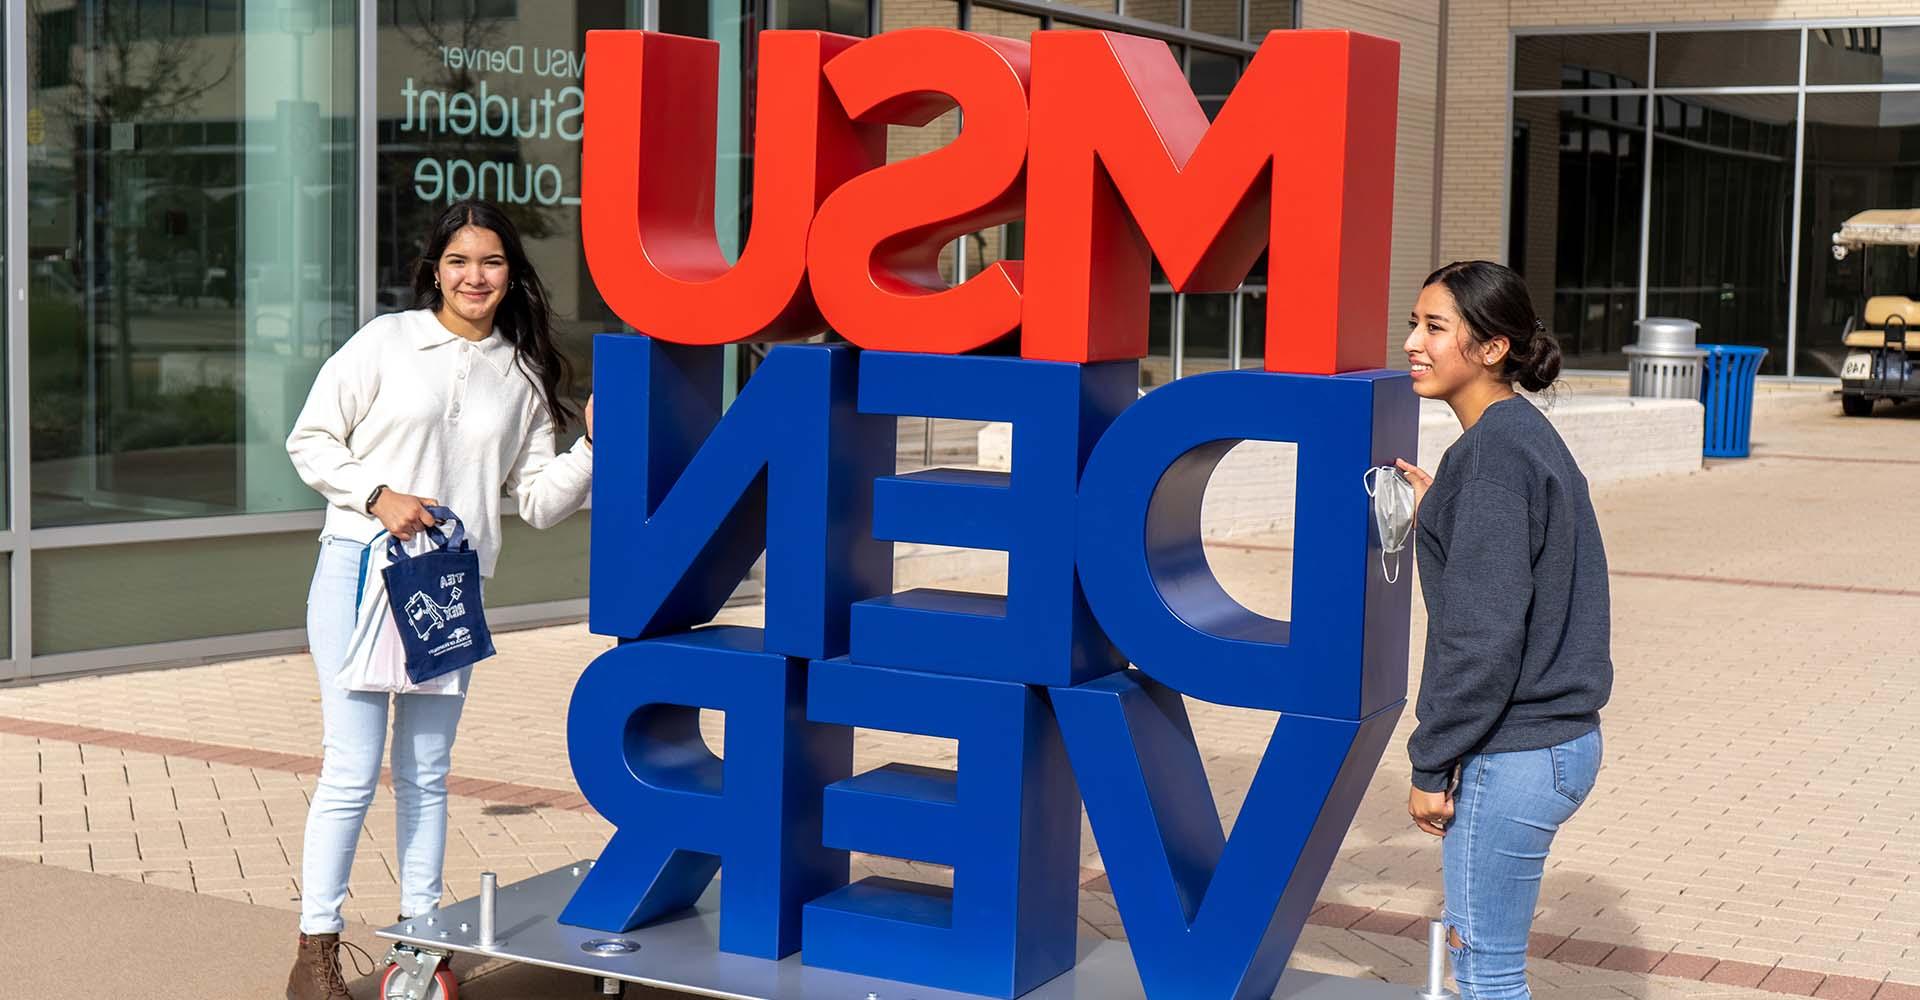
(1515, 580)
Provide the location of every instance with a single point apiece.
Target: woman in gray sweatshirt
(1517, 657)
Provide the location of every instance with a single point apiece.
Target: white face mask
(1392, 514)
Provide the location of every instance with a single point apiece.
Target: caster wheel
(399, 984)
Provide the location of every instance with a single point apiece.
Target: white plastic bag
(376, 658)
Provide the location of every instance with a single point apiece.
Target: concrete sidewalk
(1754, 830)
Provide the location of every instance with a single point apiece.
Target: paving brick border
(500, 792)
(1844, 459)
(1735, 581)
(1646, 961)
(1725, 581)
(1569, 951)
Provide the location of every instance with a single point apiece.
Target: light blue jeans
(355, 725)
(1506, 810)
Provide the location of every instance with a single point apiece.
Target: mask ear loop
(1371, 481)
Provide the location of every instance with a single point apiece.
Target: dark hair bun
(1537, 366)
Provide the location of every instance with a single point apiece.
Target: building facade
(1689, 159)
(205, 198)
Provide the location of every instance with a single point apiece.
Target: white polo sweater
(408, 404)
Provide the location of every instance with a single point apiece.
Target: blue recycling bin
(1726, 390)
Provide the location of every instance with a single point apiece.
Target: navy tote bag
(435, 598)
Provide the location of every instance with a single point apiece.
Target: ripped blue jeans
(1506, 810)
(355, 738)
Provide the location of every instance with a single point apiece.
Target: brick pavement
(1752, 828)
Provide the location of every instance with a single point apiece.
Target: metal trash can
(1665, 364)
(1726, 390)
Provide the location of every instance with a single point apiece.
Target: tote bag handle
(458, 543)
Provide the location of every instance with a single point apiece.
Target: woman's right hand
(403, 514)
(1418, 478)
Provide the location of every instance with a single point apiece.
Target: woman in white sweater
(456, 402)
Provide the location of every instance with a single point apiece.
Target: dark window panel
(1253, 329)
(1580, 62)
(1574, 222)
(1720, 240)
(1212, 76)
(1727, 58)
(845, 17)
(1206, 336)
(223, 16)
(55, 38)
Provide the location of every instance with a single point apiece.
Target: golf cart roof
(1880, 227)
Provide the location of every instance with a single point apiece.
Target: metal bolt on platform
(489, 889)
(1436, 963)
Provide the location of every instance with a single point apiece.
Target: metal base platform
(681, 954)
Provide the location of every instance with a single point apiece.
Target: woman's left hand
(1418, 478)
(589, 415)
(1431, 811)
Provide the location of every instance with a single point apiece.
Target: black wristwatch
(374, 496)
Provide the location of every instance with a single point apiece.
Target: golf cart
(1881, 339)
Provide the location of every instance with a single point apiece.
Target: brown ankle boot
(316, 970)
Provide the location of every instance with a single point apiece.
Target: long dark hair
(1494, 303)
(524, 317)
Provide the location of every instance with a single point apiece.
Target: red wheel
(398, 981)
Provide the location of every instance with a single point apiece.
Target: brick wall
(1415, 25)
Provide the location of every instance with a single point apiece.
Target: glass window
(224, 16)
(846, 17)
(1863, 55)
(1206, 336)
(491, 108)
(1722, 210)
(1212, 75)
(1158, 11)
(1157, 367)
(1215, 17)
(1253, 329)
(1723, 204)
(191, 247)
(35, 129)
(1268, 15)
(54, 46)
(1862, 152)
(1726, 58)
(1574, 218)
(1580, 62)
(690, 19)
(6, 618)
